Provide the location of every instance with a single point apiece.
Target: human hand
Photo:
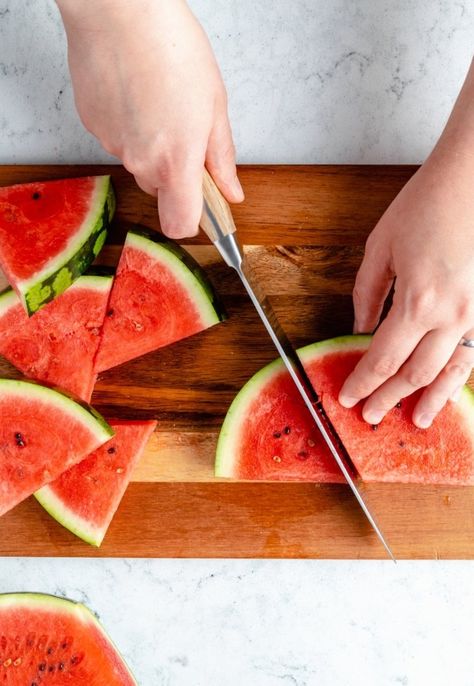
(425, 240)
(147, 85)
(425, 243)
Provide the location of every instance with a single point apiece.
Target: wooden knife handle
(216, 220)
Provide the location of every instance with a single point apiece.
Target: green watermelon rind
(81, 251)
(72, 406)
(70, 607)
(185, 268)
(99, 281)
(225, 465)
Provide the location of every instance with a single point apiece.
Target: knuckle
(383, 367)
(418, 377)
(421, 303)
(458, 369)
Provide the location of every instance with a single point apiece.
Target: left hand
(425, 243)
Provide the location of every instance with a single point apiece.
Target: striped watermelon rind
(65, 268)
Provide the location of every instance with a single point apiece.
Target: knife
(218, 223)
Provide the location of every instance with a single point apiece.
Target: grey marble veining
(309, 81)
(273, 623)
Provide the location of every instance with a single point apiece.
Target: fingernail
(456, 395)
(348, 401)
(373, 416)
(237, 186)
(425, 420)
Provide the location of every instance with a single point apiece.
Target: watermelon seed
(110, 313)
(76, 659)
(34, 683)
(303, 455)
(119, 470)
(399, 404)
(36, 195)
(52, 668)
(17, 662)
(42, 666)
(401, 444)
(8, 662)
(111, 450)
(286, 430)
(375, 427)
(276, 458)
(311, 443)
(276, 434)
(20, 441)
(61, 666)
(50, 650)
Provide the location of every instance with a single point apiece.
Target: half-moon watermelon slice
(42, 433)
(48, 641)
(50, 232)
(267, 433)
(58, 345)
(160, 295)
(85, 498)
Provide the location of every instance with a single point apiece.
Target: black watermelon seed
(42, 666)
(302, 455)
(33, 683)
(50, 650)
(286, 430)
(51, 668)
(399, 404)
(401, 444)
(61, 666)
(375, 427)
(74, 660)
(111, 450)
(36, 195)
(276, 434)
(110, 313)
(20, 441)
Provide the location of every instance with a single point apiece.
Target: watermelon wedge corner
(42, 433)
(160, 295)
(50, 232)
(58, 345)
(85, 498)
(268, 435)
(47, 641)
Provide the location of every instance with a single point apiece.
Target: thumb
(372, 285)
(220, 159)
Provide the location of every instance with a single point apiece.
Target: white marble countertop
(309, 82)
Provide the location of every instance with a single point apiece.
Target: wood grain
(303, 230)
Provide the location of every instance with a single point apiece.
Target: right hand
(147, 85)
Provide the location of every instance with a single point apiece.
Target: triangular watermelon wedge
(42, 433)
(50, 232)
(85, 498)
(160, 295)
(58, 345)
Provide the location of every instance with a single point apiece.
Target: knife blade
(218, 223)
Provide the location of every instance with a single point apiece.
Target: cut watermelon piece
(85, 498)
(48, 641)
(58, 345)
(42, 433)
(50, 232)
(160, 295)
(268, 434)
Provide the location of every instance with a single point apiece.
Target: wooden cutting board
(304, 228)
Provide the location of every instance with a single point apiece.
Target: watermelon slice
(85, 498)
(58, 345)
(160, 295)
(267, 434)
(42, 433)
(48, 641)
(50, 232)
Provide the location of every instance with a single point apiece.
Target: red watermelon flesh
(160, 295)
(268, 435)
(58, 345)
(85, 498)
(50, 641)
(50, 232)
(42, 433)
